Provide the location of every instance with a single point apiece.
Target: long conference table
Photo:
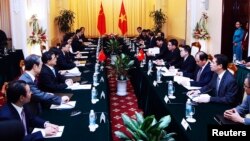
(151, 100)
(76, 127)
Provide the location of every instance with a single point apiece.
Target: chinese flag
(101, 24)
(102, 56)
(123, 20)
(140, 55)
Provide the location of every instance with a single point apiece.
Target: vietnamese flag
(102, 56)
(101, 24)
(122, 23)
(140, 55)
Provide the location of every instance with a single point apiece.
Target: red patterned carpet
(121, 104)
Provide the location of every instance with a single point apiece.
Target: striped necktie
(23, 119)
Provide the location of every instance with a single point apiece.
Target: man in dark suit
(151, 42)
(77, 43)
(65, 60)
(188, 63)
(223, 85)
(202, 74)
(49, 78)
(173, 57)
(18, 95)
(163, 48)
(33, 65)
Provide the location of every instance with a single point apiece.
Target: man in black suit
(18, 95)
(163, 49)
(223, 85)
(173, 57)
(188, 63)
(65, 60)
(77, 43)
(33, 65)
(49, 78)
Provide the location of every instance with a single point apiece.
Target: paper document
(84, 52)
(154, 50)
(73, 72)
(179, 79)
(80, 87)
(82, 57)
(68, 105)
(192, 88)
(58, 134)
(87, 43)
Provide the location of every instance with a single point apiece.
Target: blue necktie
(217, 85)
(54, 72)
(24, 122)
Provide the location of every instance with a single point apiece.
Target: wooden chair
(195, 47)
(3, 94)
(232, 68)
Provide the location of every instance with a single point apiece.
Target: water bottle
(96, 68)
(144, 59)
(6, 51)
(188, 108)
(133, 46)
(92, 118)
(234, 58)
(137, 50)
(93, 94)
(170, 89)
(95, 79)
(150, 65)
(158, 75)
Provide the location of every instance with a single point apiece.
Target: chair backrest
(195, 47)
(232, 68)
(11, 130)
(2, 94)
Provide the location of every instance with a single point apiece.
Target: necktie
(198, 74)
(24, 122)
(54, 72)
(217, 85)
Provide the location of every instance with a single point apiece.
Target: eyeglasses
(245, 86)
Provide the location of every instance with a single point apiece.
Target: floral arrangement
(38, 35)
(200, 30)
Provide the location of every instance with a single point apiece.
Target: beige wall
(176, 17)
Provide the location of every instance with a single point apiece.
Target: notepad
(80, 65)
(82, 57)
(192, 88)
(58, 134)
(84, 52)
(80, 87)
(68, 105)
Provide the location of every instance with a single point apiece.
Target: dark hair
(159, 39)
(78, 30)
(47, 56)
(139, 28)
(55, 50)
(67, 36)
(187, 48)
(202, 55)
(63, 44)
(15, 89)
(221, 60)
(31, 60)
(151, 33)
(174, 42)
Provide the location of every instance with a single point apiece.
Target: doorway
(232, 11)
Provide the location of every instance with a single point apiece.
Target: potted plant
(159, 19)
(113, 49)
(121, 67)
(148, 129)
(65, 20)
